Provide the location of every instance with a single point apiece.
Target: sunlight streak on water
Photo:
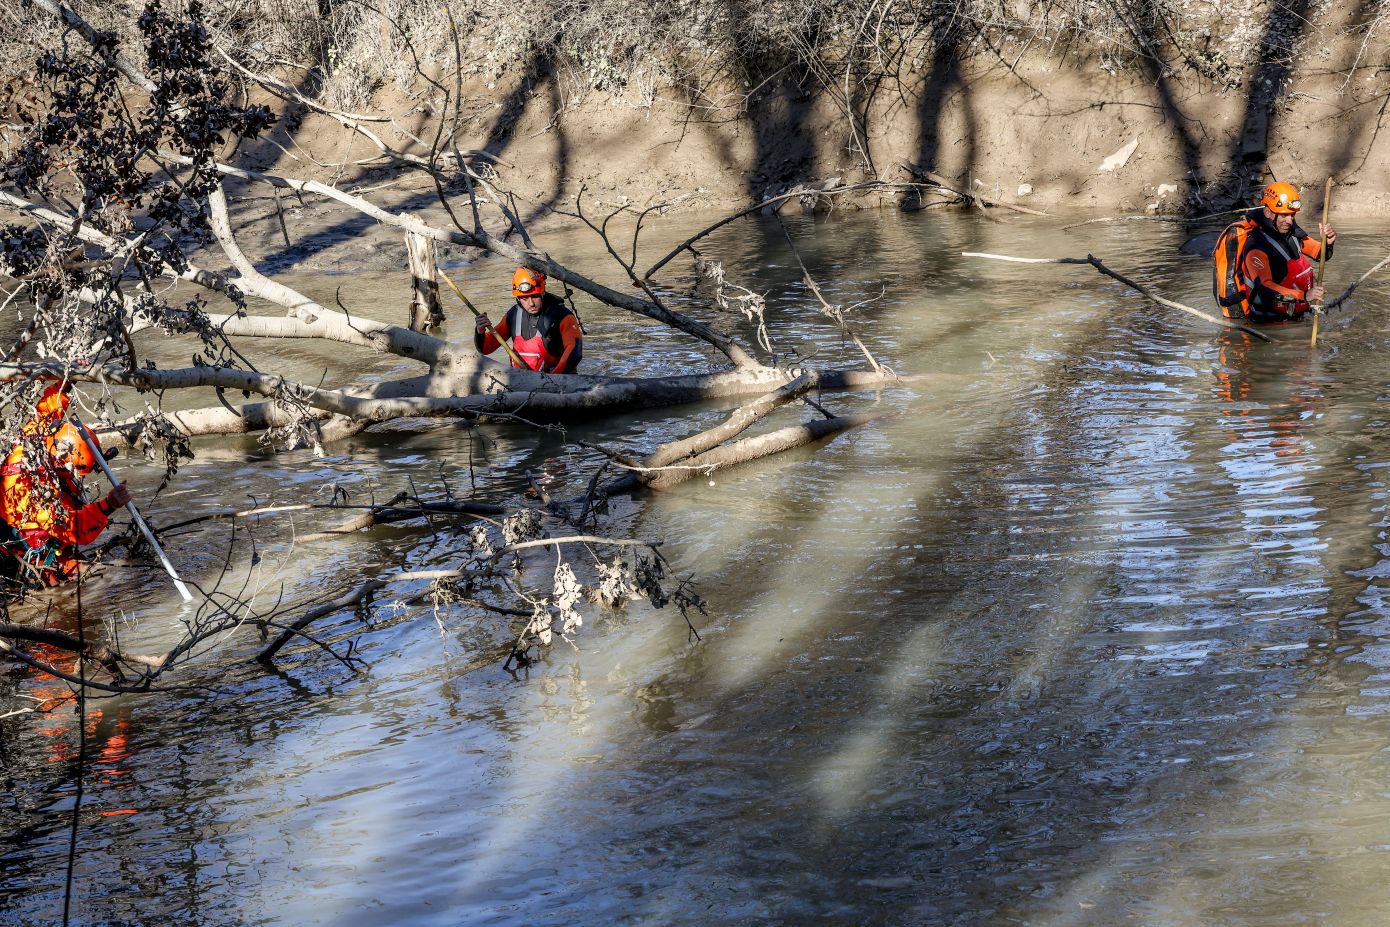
(1093, 630)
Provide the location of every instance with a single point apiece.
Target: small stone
(1166, 189)
(1025, 189)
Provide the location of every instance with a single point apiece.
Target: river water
(1092, 632)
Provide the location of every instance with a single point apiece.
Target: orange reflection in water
(1247, 381)
(107, 733)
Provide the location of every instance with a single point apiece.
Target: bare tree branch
(1137, 287)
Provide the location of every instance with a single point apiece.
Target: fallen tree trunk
(541, 396)
(425, 309)
(706, 452)
(737, 423)
(750, 449)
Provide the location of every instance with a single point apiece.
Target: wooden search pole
(516, 358)
(134, 512)
(1322, 254)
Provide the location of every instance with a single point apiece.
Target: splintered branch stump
(426, 311)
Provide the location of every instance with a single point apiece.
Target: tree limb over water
(1139, 288)
(111, 175)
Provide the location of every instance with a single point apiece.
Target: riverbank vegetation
(744, 101)
(352, 49)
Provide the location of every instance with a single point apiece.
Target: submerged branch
(392, 512)
(756, 207)
(544, 395)
(352, 597)
(944, 184)
(1181, 220)
(706, 453)
(750, 449)
(740, 421)
(1346, 294)
(1137, 287)
(51, 637)
(834, 313)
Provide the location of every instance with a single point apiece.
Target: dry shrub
(345, 49)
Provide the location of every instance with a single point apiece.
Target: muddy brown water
(1093, 632)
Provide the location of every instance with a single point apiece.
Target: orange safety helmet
(1281, 198)
(66, 446)
(526, 282)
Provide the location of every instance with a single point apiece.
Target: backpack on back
(1228, 285)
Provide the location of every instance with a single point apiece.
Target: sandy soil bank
(1066, 135)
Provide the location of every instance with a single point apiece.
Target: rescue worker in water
(545, 334)
(46, 515)
(1265, 262)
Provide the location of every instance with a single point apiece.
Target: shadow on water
(1088, 633)
(991, 772)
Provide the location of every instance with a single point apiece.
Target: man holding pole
(545, 334)
(1265, 267)
(47, 518)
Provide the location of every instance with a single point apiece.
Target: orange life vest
(542, 340)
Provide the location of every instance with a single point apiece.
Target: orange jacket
(44, 496)
(47, 498)
(1281, 266)
(1261, 274)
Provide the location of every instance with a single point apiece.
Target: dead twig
(770, 201)
(1185, 220)
(978, 198)
(1346, 294)
(835, 313)
(354, 596)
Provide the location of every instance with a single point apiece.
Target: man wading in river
(545, 333)
(46, 517)
(1264, 262)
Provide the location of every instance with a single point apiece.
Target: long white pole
(134, 513)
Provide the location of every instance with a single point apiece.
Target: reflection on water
(1095, 632)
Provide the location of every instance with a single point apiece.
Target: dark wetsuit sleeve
(571, 337)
